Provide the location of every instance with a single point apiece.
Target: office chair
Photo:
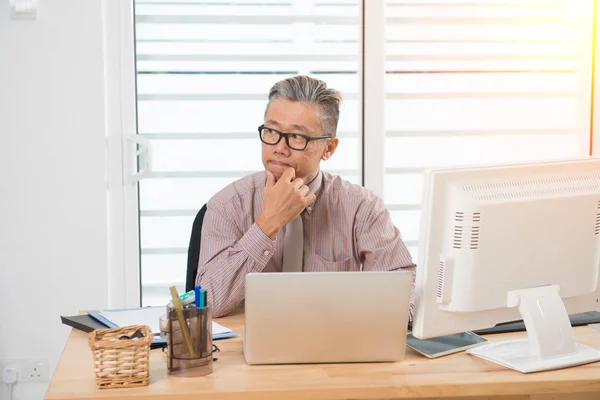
(194, 250)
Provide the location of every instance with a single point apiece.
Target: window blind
(203, 72)
(477, 82)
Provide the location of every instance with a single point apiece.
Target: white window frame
(122, 190)
(373, 75)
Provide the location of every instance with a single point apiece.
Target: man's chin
(278, 170)
(275, 171)
(277, 174)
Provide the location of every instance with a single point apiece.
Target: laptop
(326, 317)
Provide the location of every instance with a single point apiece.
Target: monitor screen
(501, 241)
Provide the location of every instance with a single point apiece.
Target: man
(293, 216)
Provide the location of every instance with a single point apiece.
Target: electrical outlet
(34, 370)
(30, 370)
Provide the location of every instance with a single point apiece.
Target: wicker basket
(118, 361)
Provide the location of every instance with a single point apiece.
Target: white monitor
(501, 240)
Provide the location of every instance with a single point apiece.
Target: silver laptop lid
(312, 317)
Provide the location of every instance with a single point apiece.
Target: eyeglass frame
(287, 135)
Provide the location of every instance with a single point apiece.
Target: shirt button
(309, 209)
(266, 252)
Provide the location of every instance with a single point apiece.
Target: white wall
(596, 97)
(53, 206)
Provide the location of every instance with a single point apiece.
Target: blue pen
(197, 295)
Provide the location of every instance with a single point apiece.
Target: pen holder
(180, 361)
(121, 356)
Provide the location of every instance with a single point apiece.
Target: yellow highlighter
(184, 328)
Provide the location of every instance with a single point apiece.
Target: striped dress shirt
(345, 227)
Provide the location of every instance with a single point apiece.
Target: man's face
(295, 117)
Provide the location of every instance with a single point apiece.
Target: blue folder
(158, 341)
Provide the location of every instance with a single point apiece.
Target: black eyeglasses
(295, 141)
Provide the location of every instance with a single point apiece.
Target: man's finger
(304, 190)
(298, 182)
(288, 174)
(309, 198)
(270, 179)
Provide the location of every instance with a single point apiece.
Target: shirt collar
(315, 188)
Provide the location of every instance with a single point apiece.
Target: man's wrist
(268, 226)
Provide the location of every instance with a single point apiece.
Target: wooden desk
(458, 376)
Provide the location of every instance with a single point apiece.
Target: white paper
(148, 316)
(139, 316)
(218, 328)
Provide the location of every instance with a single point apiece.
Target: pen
(202, 297)
(197, 295)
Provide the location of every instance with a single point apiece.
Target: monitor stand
(550, 342)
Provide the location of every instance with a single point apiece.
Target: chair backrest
(194, 250)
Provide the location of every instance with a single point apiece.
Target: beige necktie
(293, 246)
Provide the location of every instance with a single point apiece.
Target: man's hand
(283, 200)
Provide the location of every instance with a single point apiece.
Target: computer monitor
(496, 241)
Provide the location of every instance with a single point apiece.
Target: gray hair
(306, 89)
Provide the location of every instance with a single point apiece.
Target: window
(203, 73)
(481, 82)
